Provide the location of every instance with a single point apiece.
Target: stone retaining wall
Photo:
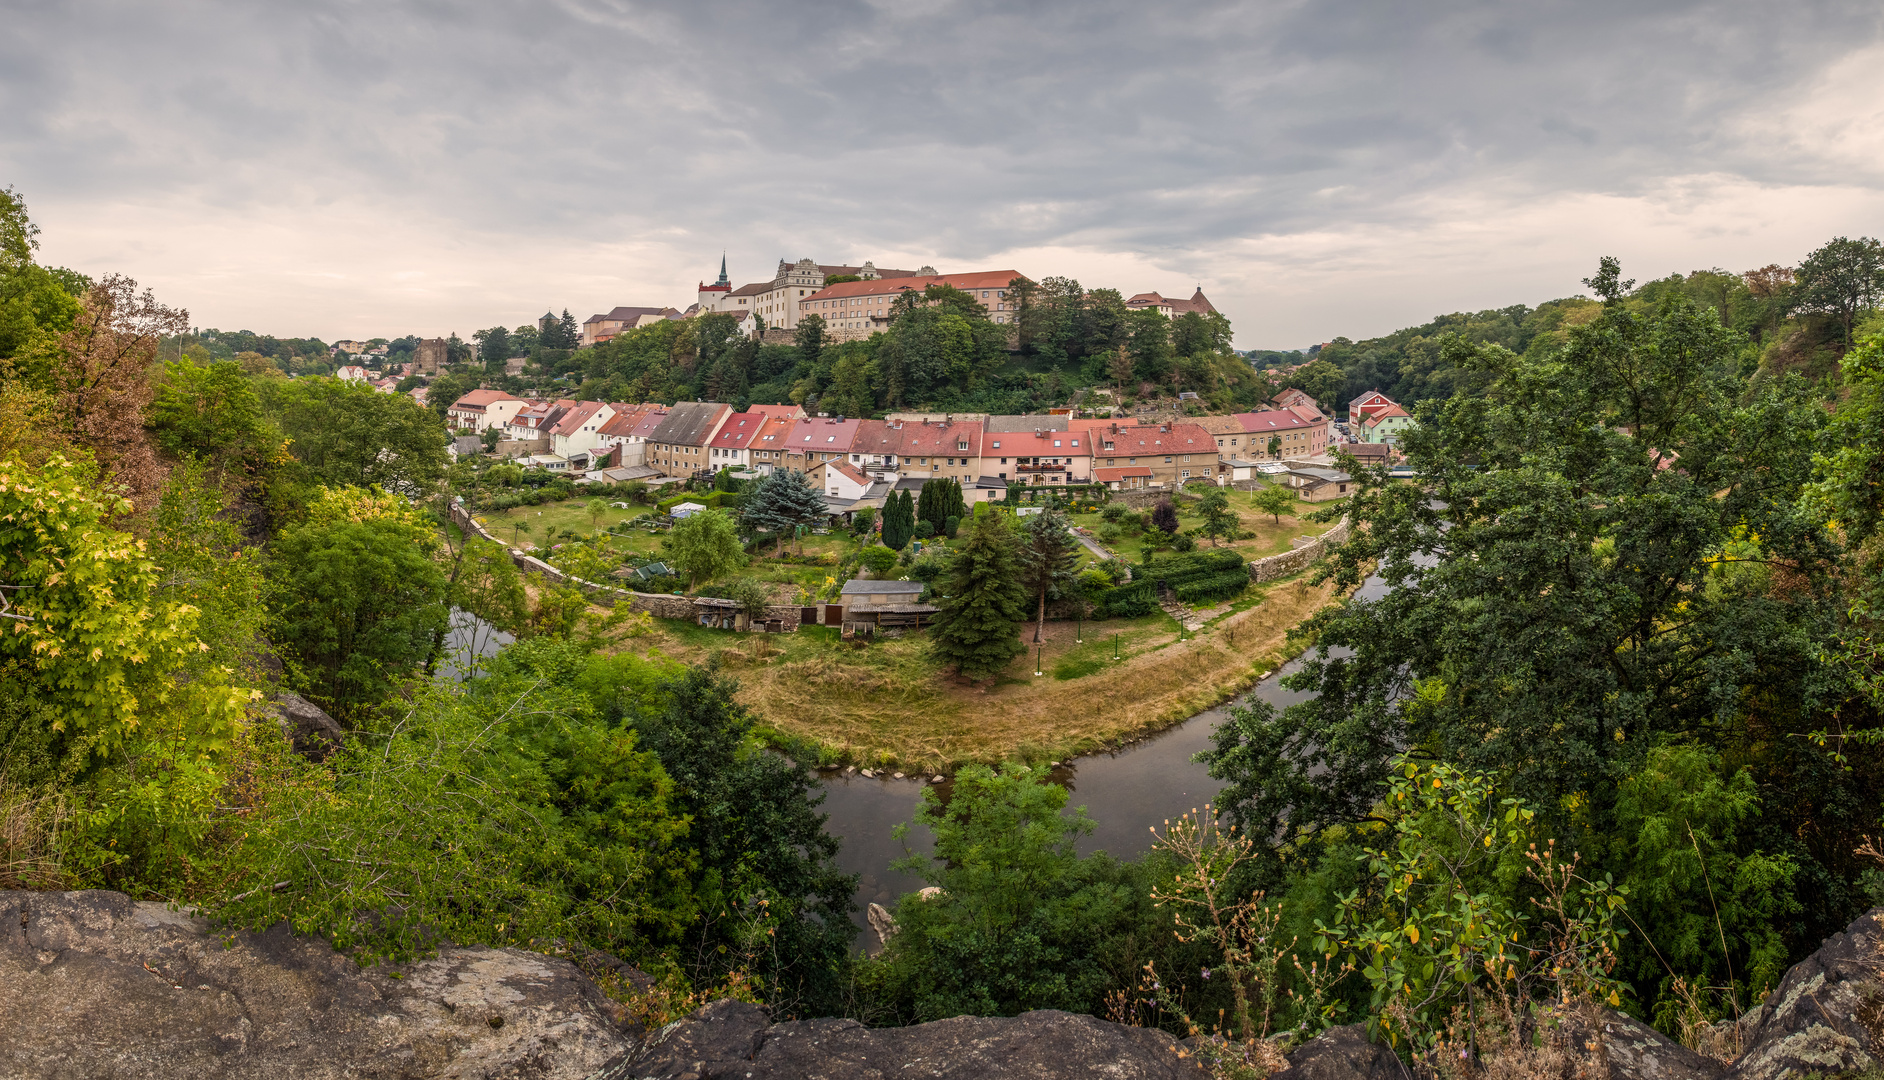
(659, 605)
(1294, 562)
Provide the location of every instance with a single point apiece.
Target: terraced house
(1166, 454)
(678, 447)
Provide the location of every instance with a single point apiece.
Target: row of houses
(849, 456)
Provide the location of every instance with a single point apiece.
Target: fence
(659, 605)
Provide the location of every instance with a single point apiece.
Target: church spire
(723, 280)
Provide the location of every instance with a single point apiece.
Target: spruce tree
(780, 502)
(928, 501)
(974, 628)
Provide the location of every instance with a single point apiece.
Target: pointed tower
(712, 296)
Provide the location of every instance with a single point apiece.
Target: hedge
(1220, 586)
(729, 500)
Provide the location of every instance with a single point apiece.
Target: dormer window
(961, 444)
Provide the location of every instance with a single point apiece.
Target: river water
(1125, 793)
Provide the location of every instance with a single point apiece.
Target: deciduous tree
(1048, 554)
(704, 546)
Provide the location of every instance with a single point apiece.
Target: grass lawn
(888, 703)
(1272, 537)
(568, 514)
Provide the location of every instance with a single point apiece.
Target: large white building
(778, 302)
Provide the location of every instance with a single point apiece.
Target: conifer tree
(899, 521)
(780, 502)
(974, 628)
(1048, 553)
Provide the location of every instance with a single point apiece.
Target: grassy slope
(888, 703)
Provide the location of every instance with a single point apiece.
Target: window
(1056, 442)
(997, 444)
(1184, 472)
(1167, 461)
(1187, 458)
(961, 444)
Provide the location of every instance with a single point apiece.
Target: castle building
(779, 302)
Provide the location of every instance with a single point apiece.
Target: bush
(877, 559)
(950, 526)
(1183, 544)
(1116, 512)
(925, 530)
(1219, 586)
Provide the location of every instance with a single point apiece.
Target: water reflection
(1125, 793)
(469, 642)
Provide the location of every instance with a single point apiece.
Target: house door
(808, 615)
(833, 614)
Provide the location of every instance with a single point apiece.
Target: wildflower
(1206, 973)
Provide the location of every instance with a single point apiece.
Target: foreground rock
(729, 1039)
(94, 985)
(1827, 1016)
(307, 726)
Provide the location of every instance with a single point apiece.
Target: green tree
(763, 851)
(1842, 279)
(1566, 600)
(211, 412)
(348, 434)
(973, 630)
(1021, 921)
(1320, 380)
(1048, 555)
(445, 390)
(1275, 500)
(1220, 521)
(597, 509)
(899, 520)
(704, 546)
(780, 503)
(358, 601)
(493, 348)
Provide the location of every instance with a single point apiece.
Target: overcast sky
(357, 168)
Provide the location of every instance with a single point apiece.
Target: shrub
(950, 526)
(925, 530)
(1183, 544)
(877, 559)
(1116, 512)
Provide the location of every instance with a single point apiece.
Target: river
(1125, 793)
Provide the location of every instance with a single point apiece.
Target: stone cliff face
(95, 985)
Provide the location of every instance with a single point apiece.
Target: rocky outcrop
(1342, 1053)
(95, 985)
(729, 1039)
(1827, 1016)
(1635, 1051)
(313, 733)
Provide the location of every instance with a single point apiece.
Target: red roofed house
(854, 309)
(941, 448)
(1368, 404)
(678, 447)
(1124, 478)
(1171, 308)
(578, 431)
(838, 479)
(810, 440)
(599, 328)
(786, 410)
(1174, 452)
(624, 438)
(1383, 425)
(1283, 433)
(766, 450)
(482, 409)
(1040, 457)
(535, 419)
(732, 447)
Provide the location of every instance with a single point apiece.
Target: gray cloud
(1202, 140)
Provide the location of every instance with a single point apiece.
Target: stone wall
(659, 605)
(1294, 562)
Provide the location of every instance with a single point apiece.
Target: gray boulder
(1342, 1053)
(305, 724)
(1827, 1016)
(1636, 1051)
(94, 985)
(732, 1040)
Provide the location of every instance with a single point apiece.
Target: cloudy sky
(354, 168)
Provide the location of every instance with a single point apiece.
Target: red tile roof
(572, 421)
(1275, 420)
(1148, 439)
(1038, 444)
(739, 431)
(983, 279)
(1106, 476)
(478, 400)
(820, 435)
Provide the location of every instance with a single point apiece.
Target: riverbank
(887, 705)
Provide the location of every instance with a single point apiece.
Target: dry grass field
(887, 704)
